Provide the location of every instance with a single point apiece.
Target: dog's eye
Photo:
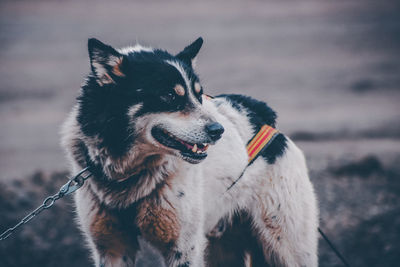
(169, 97)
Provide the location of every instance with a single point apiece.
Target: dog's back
(274, 197)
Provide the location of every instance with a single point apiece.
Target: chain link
(71, 186)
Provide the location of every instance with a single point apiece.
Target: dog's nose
(214, 130)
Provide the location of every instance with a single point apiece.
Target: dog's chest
(174, 211)
(158, 224)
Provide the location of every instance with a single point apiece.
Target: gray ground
(330, 68)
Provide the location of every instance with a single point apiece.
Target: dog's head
(143, 102)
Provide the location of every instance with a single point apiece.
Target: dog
(163, 155)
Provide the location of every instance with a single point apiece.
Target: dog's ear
(188, 55)
(105, 62)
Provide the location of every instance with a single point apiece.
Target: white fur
(280, 193)
(247, 259)
(181, 70)
(134, 109)
(185, 77)
(279, 197)
(133, 49)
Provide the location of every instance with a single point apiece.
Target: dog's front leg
(180, 241)
(112, 241)
(115, 241)
(287, 228)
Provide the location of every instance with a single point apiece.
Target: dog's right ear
(105, 62)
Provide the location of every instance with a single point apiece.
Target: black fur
(147, 79)
(238, 238)
(178, 255)
(100, 53)
(189, 53)
(181, 194)
(260, 114)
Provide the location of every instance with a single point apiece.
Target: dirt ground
(331, 69)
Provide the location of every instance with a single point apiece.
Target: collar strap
(261, 140)
(256, 145)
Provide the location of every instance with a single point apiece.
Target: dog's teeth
(206, 147)
(194, 149)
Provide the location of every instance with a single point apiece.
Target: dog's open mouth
(193, 153)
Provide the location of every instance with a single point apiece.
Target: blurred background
(331, 69)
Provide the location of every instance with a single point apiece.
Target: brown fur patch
(123, 168)
(117, 69)
(108, 235)
(271, 222)
(197, 87)
(106, 79)
(158, 224)
(115, 235)
(273, 226)
(179, 90)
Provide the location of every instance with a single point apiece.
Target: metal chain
(77, 182)
(71, 186)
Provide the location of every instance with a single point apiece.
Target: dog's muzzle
(191, 151)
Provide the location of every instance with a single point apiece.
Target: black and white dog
(162, 157)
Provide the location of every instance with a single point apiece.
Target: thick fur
(144, 189)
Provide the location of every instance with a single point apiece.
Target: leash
(70, 187)
(256, 145)
(338, 254)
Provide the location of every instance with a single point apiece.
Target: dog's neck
(117, 189)
(117, 181)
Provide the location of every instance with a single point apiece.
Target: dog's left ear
(188, 55)
(105, 62)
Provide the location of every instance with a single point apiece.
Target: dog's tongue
(194, 147)
(190, 146)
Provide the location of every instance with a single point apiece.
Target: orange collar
(262, 139)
